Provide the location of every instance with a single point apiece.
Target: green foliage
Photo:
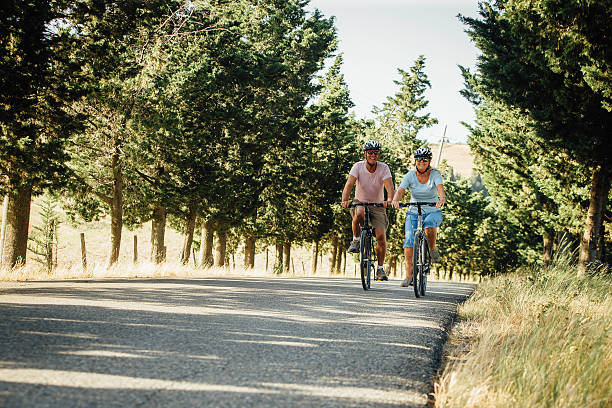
(44, 239)
(400, 118)
(36, 83)
(542, 98)
(473, 238)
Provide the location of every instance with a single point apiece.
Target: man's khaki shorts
(378, 216)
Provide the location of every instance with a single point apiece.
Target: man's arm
(388, 183)
(346, 193)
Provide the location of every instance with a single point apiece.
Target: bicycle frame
(421, 254)
(367, 253)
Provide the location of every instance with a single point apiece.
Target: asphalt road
(221, 342)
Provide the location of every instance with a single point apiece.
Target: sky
(377, 37)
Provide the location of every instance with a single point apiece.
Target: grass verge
(534, 338)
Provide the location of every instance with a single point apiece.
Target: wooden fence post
(135, 248)
(83, 252)
(3, 228)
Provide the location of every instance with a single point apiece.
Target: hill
(458, 156)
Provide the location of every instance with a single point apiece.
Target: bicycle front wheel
(425, 264)
(365, 251)
(417, 264)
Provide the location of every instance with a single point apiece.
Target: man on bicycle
(371, 176)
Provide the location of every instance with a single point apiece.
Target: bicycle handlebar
(353, 205)
(417, 204)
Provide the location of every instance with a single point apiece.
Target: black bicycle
(421, 258)
(367, 253)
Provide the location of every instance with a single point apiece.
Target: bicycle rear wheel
(417, 264)
(365, 251)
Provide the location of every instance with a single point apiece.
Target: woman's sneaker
(381, 275)
(406, 282)
(435, 256)
(354, 247)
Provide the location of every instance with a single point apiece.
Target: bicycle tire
(416, 263)
(371, 261)
(425, 264)
(364, 259)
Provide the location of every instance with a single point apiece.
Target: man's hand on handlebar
(395, 204)
(345, 204)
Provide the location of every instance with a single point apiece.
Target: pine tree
(552, 59)
(37, 83)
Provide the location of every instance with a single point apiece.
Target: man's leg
(381, 250)
(381, 245)
(358, 221)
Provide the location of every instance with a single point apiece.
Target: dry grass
(532, 339)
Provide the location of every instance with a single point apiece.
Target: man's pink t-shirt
(370, 185)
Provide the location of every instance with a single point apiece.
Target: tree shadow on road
(221, 342)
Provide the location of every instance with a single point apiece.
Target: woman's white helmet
(423, 152)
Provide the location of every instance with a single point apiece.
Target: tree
(400, 118)
(522, 175)
(114, 41)
(36, 82)
(552, 59)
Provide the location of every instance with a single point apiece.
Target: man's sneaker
(381, 275)
(354, 247)
(435, 256)
(406, 282)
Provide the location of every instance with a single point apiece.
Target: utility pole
(442, 140)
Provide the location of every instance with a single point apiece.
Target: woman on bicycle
(425, 184)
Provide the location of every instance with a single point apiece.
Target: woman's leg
(408, 257)
(411, 221)
(431, 233)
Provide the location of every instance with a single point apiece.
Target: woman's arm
(441, 196)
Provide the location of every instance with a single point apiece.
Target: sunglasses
(373, 152)
(422, 159)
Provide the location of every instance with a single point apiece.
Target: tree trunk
(116, 208)
(206, 246)
(393, 265)
(602, 241)
(278, 262)
(338, 262)
(315, 256)
(332, 258)
(221, 249)
(189, 229)
(249, 252)
(286, 256)
(158, 230)
(548, 240)
(600, 187)
(15, 242)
